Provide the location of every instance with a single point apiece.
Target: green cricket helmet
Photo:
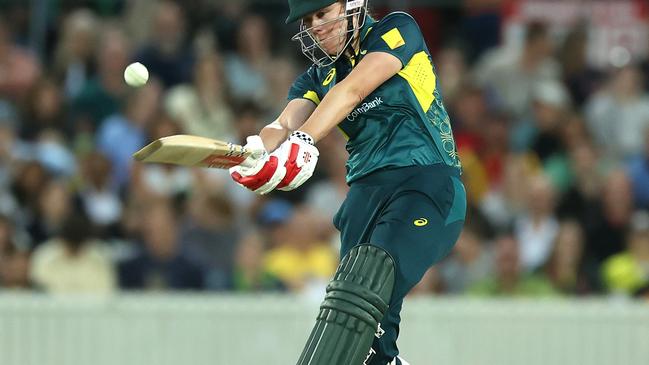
(354, 9)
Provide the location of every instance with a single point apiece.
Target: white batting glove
(259, 172)
(300, 157)
(256, 146)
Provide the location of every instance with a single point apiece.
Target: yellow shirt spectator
(297, 266)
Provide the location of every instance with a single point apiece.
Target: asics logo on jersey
(330, 77)
(420, 222)
(364, 108)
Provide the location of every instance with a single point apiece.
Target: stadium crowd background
(554, 151)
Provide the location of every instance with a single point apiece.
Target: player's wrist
(303, 136)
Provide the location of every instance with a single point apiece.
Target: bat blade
(195, 151)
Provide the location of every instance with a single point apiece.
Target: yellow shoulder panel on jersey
(393, 38)
(421, 78)
(311, 95)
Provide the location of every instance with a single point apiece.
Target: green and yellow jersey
(403, 122)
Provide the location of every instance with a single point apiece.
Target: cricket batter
(375, 81)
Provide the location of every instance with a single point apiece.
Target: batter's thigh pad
(356, 301)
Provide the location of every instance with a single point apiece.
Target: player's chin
(333, 49)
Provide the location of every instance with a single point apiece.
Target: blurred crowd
(555, 155)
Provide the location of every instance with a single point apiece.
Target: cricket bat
(186, 150)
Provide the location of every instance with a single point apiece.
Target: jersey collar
(367, 27)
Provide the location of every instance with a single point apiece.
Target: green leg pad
(356, 300)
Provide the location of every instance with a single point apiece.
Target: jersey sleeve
(305, 87)
(397, 34)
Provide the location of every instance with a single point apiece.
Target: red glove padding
(285, 169)
(301, 160)
(259, 172)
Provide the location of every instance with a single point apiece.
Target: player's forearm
(273, 135)
(291, 118)
(336, 105)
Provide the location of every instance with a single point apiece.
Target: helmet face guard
(312, 47)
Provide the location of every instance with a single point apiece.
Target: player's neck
(352, 51)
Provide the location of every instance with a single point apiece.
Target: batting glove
(299, 156)
(259, 172)
(286, 168)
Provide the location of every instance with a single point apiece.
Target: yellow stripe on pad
(393, 38)
(311, 95)
(421, 78)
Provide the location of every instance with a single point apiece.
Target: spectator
(54, 205)
(495, 150)
(606, 236)
(30, 180)
(469, 113)
(570, 133)
(166, 56)
(327, 194)
(617, 115)
(507, 197)
(510, 77)
(250, 275)
(201, 107)
(302, 263)
(638, 169)
(52, 152)
(124, 133)
(452, 70)
(14, 269)
(482, 26)
(470, 262)
(98, 197)
(74, 64)
(574, 131)
(628, 272)
(104, 94)
(536, 228)
(607, 224)
(581, 198)
(249, 116)
(19, 70)
(508, 278)
(209, 233)
(8, 154)
(6, 234)
(550, 103)
(44, 111)
(225, 24)
(159, 264)
(248, 69)
(73, 261)
(280, 79)
(138, 18)
(564, 267)
(580, 79)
